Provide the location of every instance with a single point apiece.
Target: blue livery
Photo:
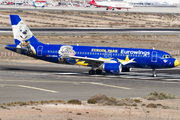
(109, 59)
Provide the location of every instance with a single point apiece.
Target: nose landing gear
(154, 73)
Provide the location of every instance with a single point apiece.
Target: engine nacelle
(126, 69)
(114, 68)
(119, 8)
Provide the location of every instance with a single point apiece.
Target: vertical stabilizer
(21, 32)
(93, 2)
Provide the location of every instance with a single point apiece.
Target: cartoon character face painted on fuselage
(21, 32)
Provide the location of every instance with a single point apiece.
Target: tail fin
(93, 2)
(21, 32)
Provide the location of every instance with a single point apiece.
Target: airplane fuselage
(142, 58)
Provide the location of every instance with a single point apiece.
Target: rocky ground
(44, 18)
(105, 109)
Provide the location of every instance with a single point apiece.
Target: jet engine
(114, 68)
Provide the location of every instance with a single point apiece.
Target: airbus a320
(109, 59)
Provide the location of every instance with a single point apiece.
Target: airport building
(134, 2)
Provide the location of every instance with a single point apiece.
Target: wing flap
(91, 61)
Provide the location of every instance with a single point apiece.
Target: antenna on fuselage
(77, 44)
(153, 48)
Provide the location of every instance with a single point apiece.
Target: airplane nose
(176, 63)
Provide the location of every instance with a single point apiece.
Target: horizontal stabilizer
(13, 47)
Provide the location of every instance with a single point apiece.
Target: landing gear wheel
(154, 73)
(107, 8)
(91, 72)
(112, 8)
(98, 71)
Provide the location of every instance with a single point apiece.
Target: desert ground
(167, 109)
(45, 18)
(107, 108)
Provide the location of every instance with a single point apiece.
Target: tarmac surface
(25, 82)
(94, 31)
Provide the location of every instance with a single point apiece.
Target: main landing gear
(92, 72)
(154, 73)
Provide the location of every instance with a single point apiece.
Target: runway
(94, 31)
(25, 82)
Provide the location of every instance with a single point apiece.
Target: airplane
(111, 5)
(112, 60)
(39, 3)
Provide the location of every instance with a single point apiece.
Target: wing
(92, 61)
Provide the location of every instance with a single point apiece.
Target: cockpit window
(167, 56)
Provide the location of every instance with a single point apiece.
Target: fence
(10, 54)
(174, 53)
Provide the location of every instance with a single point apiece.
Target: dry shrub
(77, 102)
(151, 97)
(137, 100)
(104, 100)
(160, 96)
(166, 107)
(92, 101)
(151, 105)
(100, 98)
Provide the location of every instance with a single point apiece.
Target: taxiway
(25, 82)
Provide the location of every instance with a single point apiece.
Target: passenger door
(154, 56)
(39, 50)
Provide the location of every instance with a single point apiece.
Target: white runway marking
(67, 73)
(73, 82)
(172, 79)
(107, 85)
(3, 85)
(38, 88)
(129, 75)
